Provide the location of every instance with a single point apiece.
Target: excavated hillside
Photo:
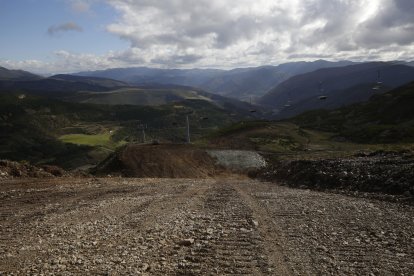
(178, 161)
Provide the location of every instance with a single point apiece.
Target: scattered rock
(145, 267)
(186, 242)
(391, 174)
(24, 169)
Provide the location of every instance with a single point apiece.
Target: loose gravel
(117, 226)
(238, 160)
(389, 174)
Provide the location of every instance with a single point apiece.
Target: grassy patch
(89, 140)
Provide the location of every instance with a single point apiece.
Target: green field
(84, 139)
(90, 140)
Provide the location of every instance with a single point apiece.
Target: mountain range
(6, 74)
(287, 89)
(239, 83)
(330, 88)
(98, 90)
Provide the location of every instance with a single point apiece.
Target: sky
(62, 36)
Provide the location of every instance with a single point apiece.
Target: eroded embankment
(178, 161)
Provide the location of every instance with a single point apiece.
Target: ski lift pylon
(252, 110)
(378, 84)
(321, 95)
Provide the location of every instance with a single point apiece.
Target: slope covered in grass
(386, 118)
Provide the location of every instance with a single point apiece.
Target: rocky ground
(386, 173)
(10, 169)
(117, 226)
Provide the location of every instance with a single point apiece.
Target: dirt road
(113, 226)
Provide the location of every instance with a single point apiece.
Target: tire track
(331, 234)
(227, 241)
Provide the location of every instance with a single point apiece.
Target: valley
(104, 176)
(215, 137)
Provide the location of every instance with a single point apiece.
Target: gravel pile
(391, 174)
(238, 160)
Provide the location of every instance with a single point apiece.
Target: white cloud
(224, 33)
(67, 62)
(229, 33)
(215, 31)
(393, 24)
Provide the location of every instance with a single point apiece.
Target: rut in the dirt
(230, 243)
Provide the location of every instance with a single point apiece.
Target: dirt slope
(179, 161)
(171, 161)
(115, 226)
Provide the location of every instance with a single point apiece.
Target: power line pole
(188, 131)
(143, 127)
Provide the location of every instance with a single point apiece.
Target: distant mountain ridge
(96, 90)
(240, 83)
(54, 86)
(340, 83)
(105, 82)
(49, 87)
(17, 75)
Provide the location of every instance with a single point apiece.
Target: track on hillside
(109, 226)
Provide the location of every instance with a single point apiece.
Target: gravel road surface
(119, 226)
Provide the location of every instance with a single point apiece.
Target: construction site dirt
(229, 226)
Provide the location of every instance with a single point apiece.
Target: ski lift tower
(252, 110)
(378, 84)
(187, 114)
(321, 95)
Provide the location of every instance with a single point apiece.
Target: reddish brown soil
(164, 161)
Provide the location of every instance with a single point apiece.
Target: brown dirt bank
(164, 161)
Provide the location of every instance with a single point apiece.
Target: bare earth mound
(165, 161)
